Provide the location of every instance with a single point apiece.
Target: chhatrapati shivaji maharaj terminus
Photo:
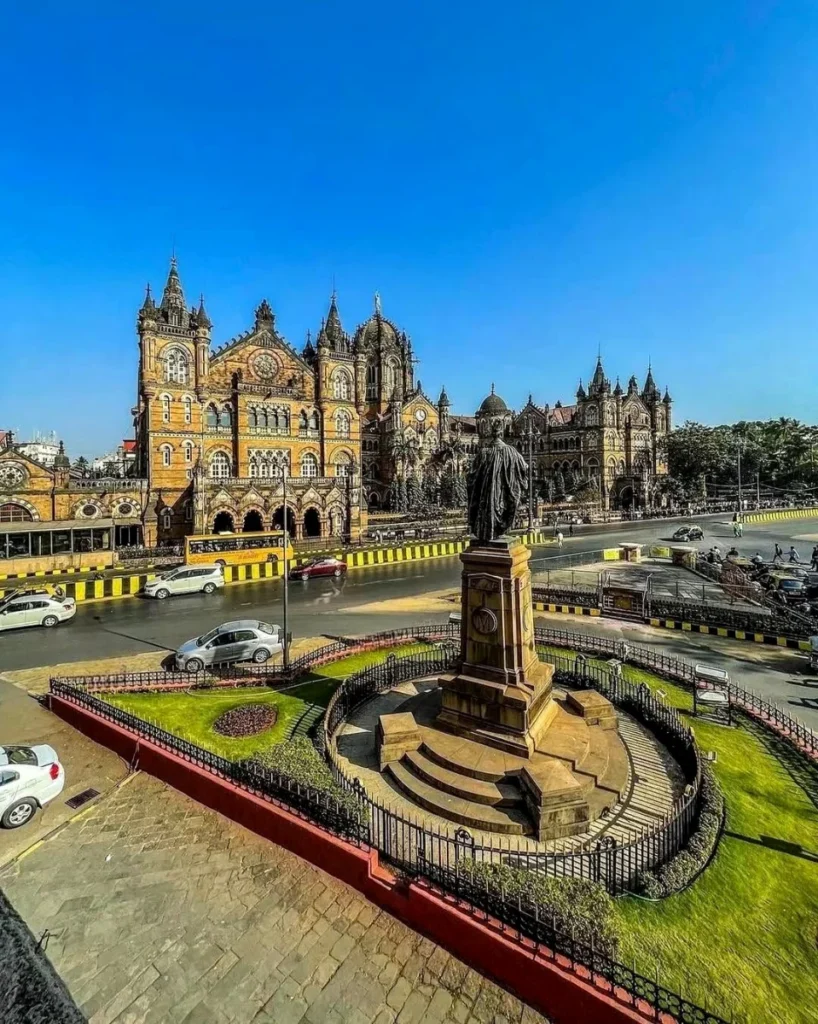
(215, 429)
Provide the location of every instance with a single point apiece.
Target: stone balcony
(108, 483)
(294, 483)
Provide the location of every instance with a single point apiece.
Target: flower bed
(245, 720)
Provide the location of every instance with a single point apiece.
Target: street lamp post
(739, 478)
(281, 463)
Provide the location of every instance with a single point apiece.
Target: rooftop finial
(377, 303)
(492, 387)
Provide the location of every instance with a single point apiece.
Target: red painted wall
(546, 984)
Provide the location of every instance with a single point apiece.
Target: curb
(732, 634)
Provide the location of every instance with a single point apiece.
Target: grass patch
(743, 937)
(191, 715)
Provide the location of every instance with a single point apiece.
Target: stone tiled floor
(162, 911)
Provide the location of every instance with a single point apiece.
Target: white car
(29, 778)
(36, 609)
(187, 579)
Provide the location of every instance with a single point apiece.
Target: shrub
(298, 761)
(680, 871)
(245, 720)
(575, 906)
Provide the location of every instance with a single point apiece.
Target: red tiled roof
(129, 446)
(563, 416)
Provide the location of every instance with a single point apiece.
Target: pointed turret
(173, 297)
(667, 399)
(148, 306)
(618, 389)
(338, 341)
(650, 392)
(309, 348)
(581, 396)
(599, 382)
(444, 398)
(201, 315)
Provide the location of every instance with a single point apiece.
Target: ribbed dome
(493, 404)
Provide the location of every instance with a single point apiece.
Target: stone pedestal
(501, 695)
(397, 735)
(631, 552)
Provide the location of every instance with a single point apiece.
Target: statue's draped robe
(496, 486)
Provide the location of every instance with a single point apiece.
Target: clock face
(420, 415)
(11, 475)
(265, 366)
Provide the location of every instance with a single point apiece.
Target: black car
(688, 533)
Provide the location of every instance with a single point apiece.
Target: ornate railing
(108, 483)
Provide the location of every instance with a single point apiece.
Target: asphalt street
(350, 606)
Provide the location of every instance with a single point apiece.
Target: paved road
(351, 606)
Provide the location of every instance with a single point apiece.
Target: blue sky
(523, 183)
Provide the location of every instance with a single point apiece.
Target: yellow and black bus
(235, 548)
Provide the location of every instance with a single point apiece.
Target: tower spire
(173, 297)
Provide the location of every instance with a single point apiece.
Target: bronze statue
(497, 481)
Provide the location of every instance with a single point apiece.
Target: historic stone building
(609, 437)
(215, 430)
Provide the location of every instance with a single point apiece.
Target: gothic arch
(32, 511)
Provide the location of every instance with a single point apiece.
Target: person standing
(559, 539)
(778, 556)
(815, 558)
(571, 529)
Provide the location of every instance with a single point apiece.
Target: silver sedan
(240, 640)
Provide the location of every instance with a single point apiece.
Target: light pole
(282, 464)
(739, 477)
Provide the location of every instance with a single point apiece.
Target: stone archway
(312, 523)
(278, 519)
(625, 497)
(223, 523)
(253, 523)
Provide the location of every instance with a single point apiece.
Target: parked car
(787, 588)
(240, 640)
(319, 567)
(186, 579)
(35, 609)
(29, 778)
(688, 533)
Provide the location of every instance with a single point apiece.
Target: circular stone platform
(628, 777)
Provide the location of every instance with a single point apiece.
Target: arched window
(309, 465)
(591, 416)
(342, 386)
(166, 408)
(13, 513)
(284, 421)
(187, 448)
(315, 421)
(176, 366)
(343, 422)
(188, 511)
(166, 516)
(252, 418)
(302, 420)
(212, 416)
(343, 464)
(187, 405)
(372, 377)
(220, 465)
(226, 417)
(165, 451)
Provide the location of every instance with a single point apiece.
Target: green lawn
(191, 714)
(743, 937)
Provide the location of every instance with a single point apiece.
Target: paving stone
(196, 921)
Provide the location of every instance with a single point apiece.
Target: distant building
(43, 448)
(120, 462)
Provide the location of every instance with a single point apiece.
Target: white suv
(187, 579)
(29, 778)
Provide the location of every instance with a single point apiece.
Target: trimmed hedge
(575, 906)
(682, 869)
(298, 760)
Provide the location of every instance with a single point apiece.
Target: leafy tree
(413, 492)
(547, 489)
(81, 465)
(559, 485)
(570, 481)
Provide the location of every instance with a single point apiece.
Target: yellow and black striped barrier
(565, 609)
(733, 634)
(40, 573)
(773, 515)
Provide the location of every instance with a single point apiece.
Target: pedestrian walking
(778, 556)
(740, 528)
(570, 529)
(815, 558)
(735, 527)
(559, 539)
(794, 554)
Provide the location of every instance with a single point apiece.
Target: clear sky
(523, 183)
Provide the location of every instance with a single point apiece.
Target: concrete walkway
(162, 912)
(87, 766)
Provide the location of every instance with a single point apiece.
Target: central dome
(493, 404)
